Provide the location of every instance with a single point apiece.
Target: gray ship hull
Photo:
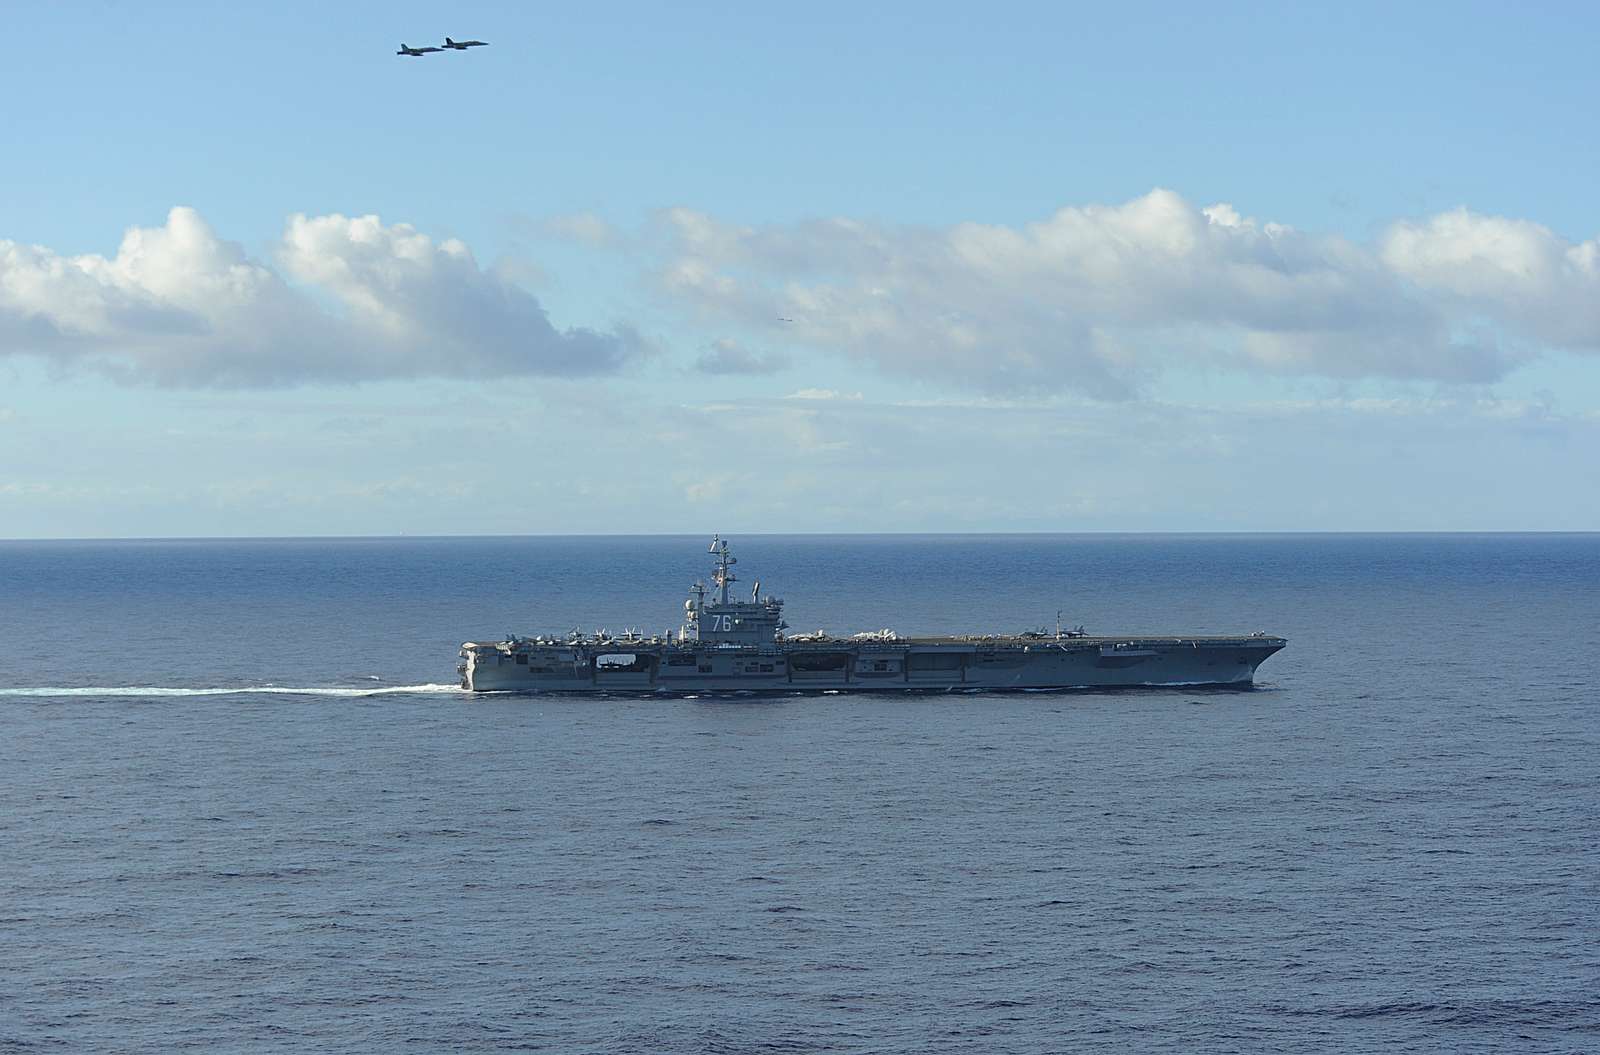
(733, 646)
(654, 666)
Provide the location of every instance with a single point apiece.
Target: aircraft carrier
(734, 646)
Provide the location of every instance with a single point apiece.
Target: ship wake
(161, 691)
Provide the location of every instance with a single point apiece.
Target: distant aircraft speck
(463, 45)
(415, 52)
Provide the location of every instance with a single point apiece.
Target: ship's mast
(725, 561)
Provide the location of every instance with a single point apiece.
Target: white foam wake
(252, 690)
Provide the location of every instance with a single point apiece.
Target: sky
(728, 267)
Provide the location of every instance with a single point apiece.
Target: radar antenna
(725, 561)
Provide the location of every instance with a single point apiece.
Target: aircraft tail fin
(449, 43)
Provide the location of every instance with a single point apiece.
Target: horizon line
(1176, 533)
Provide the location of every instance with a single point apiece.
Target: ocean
(243, 807)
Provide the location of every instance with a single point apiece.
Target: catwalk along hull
(648, 667)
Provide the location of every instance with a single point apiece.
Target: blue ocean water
(242, 809)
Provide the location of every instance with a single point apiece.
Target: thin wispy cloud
(584, 228)
(823, 395)
(726, 356)
(346, 299)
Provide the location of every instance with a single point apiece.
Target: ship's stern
(480, 667)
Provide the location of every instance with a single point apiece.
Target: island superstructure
(730, 645)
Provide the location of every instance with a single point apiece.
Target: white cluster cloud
(1520, 273)
(1094, 298)
(355, 300)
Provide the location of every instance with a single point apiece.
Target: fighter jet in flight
(463, 45)
(415, 52)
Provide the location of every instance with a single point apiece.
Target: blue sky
(1046, 267)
